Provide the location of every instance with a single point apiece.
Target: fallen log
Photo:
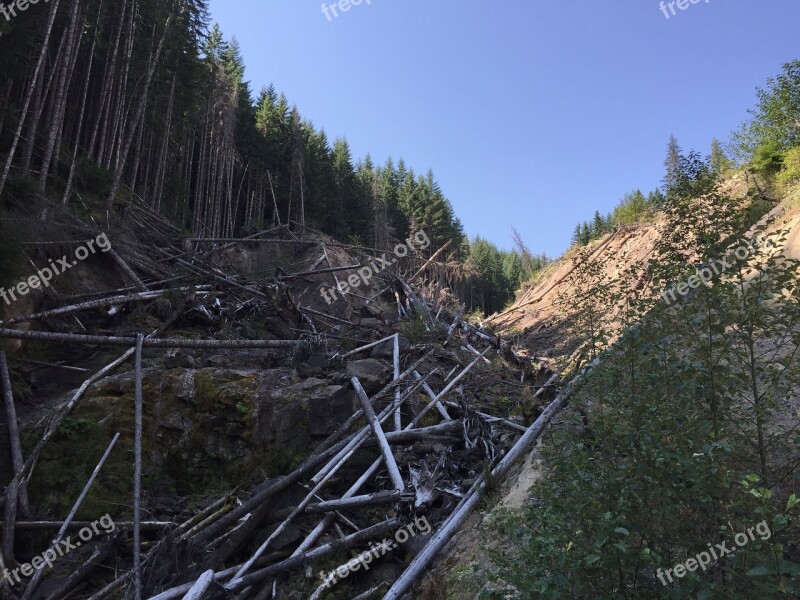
(319, 272)
(201, 586)
(377, 430)
(100, 303)
(431, 394)
(103, 340)
(346, 503)
(44, 525)
(127, 270)
(398, 421)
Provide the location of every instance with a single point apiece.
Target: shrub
(768, 159)
(790, 174)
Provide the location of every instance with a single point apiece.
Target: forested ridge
(107, 100)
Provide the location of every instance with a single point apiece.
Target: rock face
(203, 428)
(289, 416)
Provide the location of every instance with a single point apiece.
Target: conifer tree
(672, 163)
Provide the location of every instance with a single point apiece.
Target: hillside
(239, 362)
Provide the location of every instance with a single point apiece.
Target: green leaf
(793, 501)
(592, 559)
(621, 530)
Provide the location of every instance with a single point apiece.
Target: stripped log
(281, 528)
(201, 586)
(103, 340)
(100, 303)
(247, 518)
(127, 270)
(471, 348)
(347, 503)
(391, 464)
(312, 537)
(431, 394)
(72, 525)
(319, 272)
(360, 437)
(398, 421)
(367, 347)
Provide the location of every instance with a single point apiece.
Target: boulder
(372, 373)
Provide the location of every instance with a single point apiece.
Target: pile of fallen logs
(435, 449)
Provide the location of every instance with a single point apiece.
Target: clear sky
(531, 113)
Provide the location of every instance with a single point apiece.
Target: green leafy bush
(768, 159)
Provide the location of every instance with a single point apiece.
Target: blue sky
(532, 114)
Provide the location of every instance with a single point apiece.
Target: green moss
(191, 445)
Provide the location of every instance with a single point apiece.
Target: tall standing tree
(718, 161)
(672, 164)
(776, 118)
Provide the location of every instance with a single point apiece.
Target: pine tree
(576, 235)
(672, 163)
(719, 162)
(586, 233)
(598, 225)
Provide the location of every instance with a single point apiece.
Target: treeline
(500, 273)
(633, 207)
(107, 101)
(147, 101)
